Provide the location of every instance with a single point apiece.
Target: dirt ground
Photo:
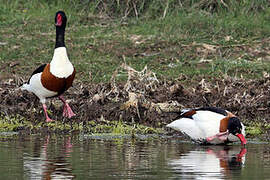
(143, 99)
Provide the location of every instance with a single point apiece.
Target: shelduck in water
(53, 79)
(210, 125)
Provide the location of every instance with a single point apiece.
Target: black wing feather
(38, 70)
(213, 109)
(189, 113)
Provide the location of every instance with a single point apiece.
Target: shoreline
(140, 108)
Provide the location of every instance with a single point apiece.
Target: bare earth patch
(142, 99)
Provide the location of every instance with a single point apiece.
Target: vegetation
(114, 127)
(175, 38)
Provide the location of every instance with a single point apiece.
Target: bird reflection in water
(213, 162)
(49, 160)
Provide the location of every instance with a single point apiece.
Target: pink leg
(46, 114)
(210, 151)
(67, 111)
(222, 136)
(68, 146)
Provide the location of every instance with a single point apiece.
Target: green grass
(170, 44)
(171, 38)
(17, 123)
(256, 128)
(12, 123)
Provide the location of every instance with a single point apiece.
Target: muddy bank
(142, 99)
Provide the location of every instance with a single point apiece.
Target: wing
(38, 70)
(213, 109)
(208, 121)
(188, 113)
(189, 127)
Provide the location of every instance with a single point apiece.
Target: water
(115, 157)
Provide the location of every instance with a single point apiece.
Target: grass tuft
(193, 39)
(169, 37)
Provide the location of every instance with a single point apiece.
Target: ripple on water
(114, 156)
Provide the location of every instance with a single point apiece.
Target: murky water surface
(113, 157)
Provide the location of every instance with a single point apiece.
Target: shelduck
(53, 79)
(208, 163)
(210, 125)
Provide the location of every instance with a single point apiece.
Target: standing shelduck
(210, 125)
(53, 79)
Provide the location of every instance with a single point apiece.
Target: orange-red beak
(242, 139)
(241, 154)
(59, 20)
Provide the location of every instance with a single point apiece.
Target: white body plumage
(60, 65)
(202, 125)
(35, 86)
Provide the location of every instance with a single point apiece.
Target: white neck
(60, 65)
